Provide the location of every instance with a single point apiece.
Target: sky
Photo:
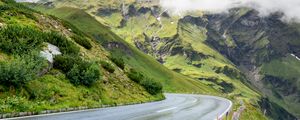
(290, 8)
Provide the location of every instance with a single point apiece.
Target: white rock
(50, 52)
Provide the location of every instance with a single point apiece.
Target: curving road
(175, 107)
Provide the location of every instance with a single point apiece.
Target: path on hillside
(175, 107)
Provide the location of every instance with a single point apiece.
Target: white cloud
(291, 8)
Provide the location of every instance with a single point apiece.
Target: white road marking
(163, 110)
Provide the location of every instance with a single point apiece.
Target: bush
(20, 70)
(16, 39)
(152, 86)
(84, 42)
(107, 66)
(66, 46)
(78, 71)
(66, 62)
(135, 76)
(119, 62)
(84, 74)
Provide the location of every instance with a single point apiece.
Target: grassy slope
(173, 82)
(287, 68)
(53, 90)
(133, 30)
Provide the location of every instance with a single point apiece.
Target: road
(175, 107)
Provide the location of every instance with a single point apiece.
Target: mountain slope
(217, 49)
(174, 51)
(31, 83)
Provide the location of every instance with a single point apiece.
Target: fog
(290, 8)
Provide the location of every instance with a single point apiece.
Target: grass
(287, 68)
(53, 90)
(172, 82)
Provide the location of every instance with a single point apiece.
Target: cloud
(290, 8)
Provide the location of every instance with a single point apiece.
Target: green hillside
(203, 80)
(173, 82)
(84, 75)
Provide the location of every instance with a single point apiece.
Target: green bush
(84, 42)
(66, 46)
(21, 70)
(78, 71)
(14, 104)
(135, 76)
(16, 39)
(151, 86)
(84, 74)
(107, 66)
(118, 61)
(66, 62)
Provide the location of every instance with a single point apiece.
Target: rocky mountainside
(234, 53)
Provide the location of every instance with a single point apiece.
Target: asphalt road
(175, 107)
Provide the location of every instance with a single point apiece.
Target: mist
(290, 8)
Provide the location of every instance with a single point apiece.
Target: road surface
(175, 107)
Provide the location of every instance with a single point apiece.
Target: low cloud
(290, 8)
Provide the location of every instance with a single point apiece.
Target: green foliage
(78, 71)
(84, 74)
(153, 87)
(18, 39)
(14, 104)
(65, 45)
(135, 76)
(118, 61)
(20, 70)
(82, 41)
(66, 62)
(107, 66)
(16, 9)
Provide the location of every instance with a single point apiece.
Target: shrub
(107, 66)
(20, 70)
(119, 62)
(135, 76)
(151, 86)
(16, 39)
(78, 71)
(66, 46)
(66, 62)
(84, 42)
(84, 74)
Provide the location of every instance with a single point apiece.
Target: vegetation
(20, 70)
(65, 45)
(84, 74)
(80, 72)
(82, 41)
(149, 84)
(107, 66)
(118, 61)
(171, 81)
(28, 83)
(16, 39)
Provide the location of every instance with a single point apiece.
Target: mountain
(240, 54)
(71, 60)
